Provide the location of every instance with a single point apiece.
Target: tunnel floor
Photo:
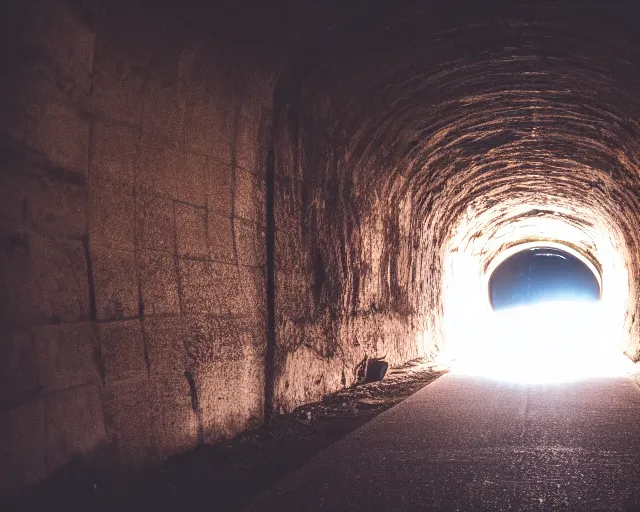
(227, 475)
(468, 443)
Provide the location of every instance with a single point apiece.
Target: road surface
(468, 443)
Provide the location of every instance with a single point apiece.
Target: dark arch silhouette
(541, 274)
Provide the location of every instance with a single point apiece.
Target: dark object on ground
(376, 370)
(370, 369)
(228, 475)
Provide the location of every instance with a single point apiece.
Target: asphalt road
(467, 443)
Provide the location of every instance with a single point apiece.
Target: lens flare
(546, 342)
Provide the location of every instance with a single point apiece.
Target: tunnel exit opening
(542, 274)
(546, 323)
(538, 311)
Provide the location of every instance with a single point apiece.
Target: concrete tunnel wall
(133, 235)
(209, 214)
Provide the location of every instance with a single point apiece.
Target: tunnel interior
(541, 274)
(211, 214)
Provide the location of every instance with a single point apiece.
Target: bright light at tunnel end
(546, 342)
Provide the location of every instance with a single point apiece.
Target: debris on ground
(229, 474)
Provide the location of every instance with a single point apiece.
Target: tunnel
(541, 274)
(544, 319)
(212, 212)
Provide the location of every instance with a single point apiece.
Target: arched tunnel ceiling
(525, 97)
(488, 108)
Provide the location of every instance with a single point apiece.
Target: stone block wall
(132, 232)
(135, 320)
